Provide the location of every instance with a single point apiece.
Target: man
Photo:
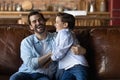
(35, 52)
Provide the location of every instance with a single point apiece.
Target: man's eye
(34, 21)
(41, 20)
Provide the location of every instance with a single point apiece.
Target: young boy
(72, 64)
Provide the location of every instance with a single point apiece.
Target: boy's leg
(59, 74)
(80, 72)
(67, 76)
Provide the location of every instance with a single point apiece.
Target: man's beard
(40, 29)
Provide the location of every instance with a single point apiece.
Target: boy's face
(59, 25)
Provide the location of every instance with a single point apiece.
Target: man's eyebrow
(33, 20)
(41, 19)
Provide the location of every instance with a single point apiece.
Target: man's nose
(37, 22)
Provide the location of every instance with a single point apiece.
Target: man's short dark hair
(35, 13)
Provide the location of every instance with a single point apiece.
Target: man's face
(37, 24)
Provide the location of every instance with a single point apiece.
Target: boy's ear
(66, 25)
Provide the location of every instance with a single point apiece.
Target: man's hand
(44, 59)
(78, 50)
(46, 65)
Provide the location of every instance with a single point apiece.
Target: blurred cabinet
(94, 19)
(114, 9)
(91, 19)
(14, 17)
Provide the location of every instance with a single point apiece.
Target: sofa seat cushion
(4, 77)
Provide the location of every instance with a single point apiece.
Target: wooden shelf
(45, 12)
(94, 18)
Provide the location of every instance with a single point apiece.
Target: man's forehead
(35, 17)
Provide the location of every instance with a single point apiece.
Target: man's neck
(41, 36)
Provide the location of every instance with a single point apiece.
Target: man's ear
(31, 27)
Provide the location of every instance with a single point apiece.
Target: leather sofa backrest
(102, 44)
(105, 43)
(10, 38)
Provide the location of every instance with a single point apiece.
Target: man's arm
(44, 59)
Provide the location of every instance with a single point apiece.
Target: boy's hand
(78, 50)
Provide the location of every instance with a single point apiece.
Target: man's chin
(40, 31)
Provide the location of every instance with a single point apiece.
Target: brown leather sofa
(102, 44)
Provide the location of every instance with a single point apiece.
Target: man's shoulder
(28, 38)
(52, 36)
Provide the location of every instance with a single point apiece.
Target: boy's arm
(78, 50)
